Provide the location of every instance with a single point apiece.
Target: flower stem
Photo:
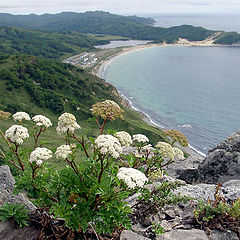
(83, 144)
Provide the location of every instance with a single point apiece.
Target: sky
(120, 6)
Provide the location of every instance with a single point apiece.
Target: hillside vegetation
(48, 87)
(105, 23)
(228, 38)
(48, 45)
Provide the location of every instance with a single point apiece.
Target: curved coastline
(100, 69)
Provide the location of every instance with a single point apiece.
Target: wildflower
(39, 155)
(140, 138)
(165, 149)
(177, 136)
(148, 148)
(132, 177)
(143, 151)
(108, 110)
(63, 151)
(16, 134)
(67, 123)
(156, 174)
(42, 121)
(178, 153)
(19, 116)
(108, 144)
(4, 115)
(124, 138)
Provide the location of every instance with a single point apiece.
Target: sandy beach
(99, 69)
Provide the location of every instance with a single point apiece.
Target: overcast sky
(120, 6)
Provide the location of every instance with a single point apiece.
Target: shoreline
(147, 119)
(100, 68)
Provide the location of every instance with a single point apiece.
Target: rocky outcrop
(8, 230)
(6, 190)
(222, 162)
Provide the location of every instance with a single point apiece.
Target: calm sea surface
(210, 21)
(193, 89)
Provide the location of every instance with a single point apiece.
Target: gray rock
(219, 235)
(6, 190)
(198, 191)
(10, 232)
(222, 162)
(130, 235)
(166, 226)
(230, 190)
(193, 234)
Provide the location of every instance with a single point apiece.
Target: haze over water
(192, 89)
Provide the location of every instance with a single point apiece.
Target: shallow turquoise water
(193, 89)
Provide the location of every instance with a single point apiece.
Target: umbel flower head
(132, 177)
(16, 134)
(19, 116)
(108, 110)
(166, 150)
(140, 138)
(63, 151)
(67, 124)
(4, 115)
(124, 138)
(42, 121)
(107, 144)
(178, 153)
(39, 155)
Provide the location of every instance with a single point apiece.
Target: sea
(193, 89)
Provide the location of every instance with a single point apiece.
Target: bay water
(193, 89)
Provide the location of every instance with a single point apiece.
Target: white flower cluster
(132, 177)
(140, 138)
(143, 151)
(42, 121)
(19, 116)
(178, 153)
(148, 148)
(165, 149)
(16, 134)
(63, 151)
(67, 123)
(124, 138)
(39, 155)
(108, 144)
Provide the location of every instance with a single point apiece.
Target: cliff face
(222, 162)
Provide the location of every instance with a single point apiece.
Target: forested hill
(49, 45)
(49, 87)
(105, 23)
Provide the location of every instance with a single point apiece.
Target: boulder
(193, 234)
(6, 190)
(220, 235)
(8, 230)
(222, 163)
(230, 190)
(130, 235)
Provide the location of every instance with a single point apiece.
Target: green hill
(228, 38)
(49, 45)
(105, 23)
(48, 87)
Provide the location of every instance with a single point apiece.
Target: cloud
(119, 6)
